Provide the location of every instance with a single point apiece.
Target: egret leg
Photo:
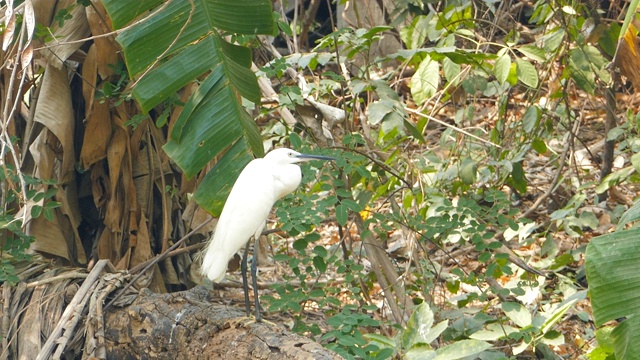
(254, 275)
(245, 281)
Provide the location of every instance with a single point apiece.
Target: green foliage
(455, 191)
(414, 341)
(347, 339)
(39, 202)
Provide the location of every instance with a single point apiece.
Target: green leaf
(250, 17)
(552, 40)
(531, 118)
(319, 264)
(160, 34)
(426, 80)
(462, 349)
(413, 131)
(172, 75)
(626, 338)
(517, 313)
(517, 178)
(388, 113)
(342, 214)
(587, 65)
(630, 215)
(418, 327)
(502, 67)
(415, 34)
(49, 214)
(611, 264)
(123, 12)
(450, 69)
(468, 171)
(380, 341)
(493, 332)
(209, 130)
(539, 146)
(557, 314)
(527, 73)
(216, 185)
(36, 211)
(614, 179)
(533, 52)
(604, 338)
(378, 110)
(420, 353)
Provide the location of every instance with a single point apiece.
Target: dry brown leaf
(97, 134)
(41, 151)
(44, 11)
(26, 56)
(194, 215)
(9, 33)
(142, 250)
(69, 207)
(157, 284)
(29, 339)
(65, 39)
(29, 19)
(170, 275)
(628, 56)
(54, 111)
(50, 236)
(105, 248)
(98, 115)
(90, 76)
(123, 264)
(115, 156)
(107, 50)
(99, 187)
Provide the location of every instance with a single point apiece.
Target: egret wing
(243, 215)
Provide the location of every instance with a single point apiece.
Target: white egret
(260, 184)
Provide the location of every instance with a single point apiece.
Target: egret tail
(214, 263)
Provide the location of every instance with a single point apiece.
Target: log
(65, 307)
(185, 325)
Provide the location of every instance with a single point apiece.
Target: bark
(186, 325)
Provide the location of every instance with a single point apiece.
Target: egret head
(288, 156)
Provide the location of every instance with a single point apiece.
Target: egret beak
(307, 157)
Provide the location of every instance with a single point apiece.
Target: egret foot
(249, 320)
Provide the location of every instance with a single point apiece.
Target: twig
(6, 319)
(556, 178)
(8, 115)
(268, 285)
(48, 346)
(70, 325)
(71, 275)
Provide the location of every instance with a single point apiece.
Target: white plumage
(260, 184)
